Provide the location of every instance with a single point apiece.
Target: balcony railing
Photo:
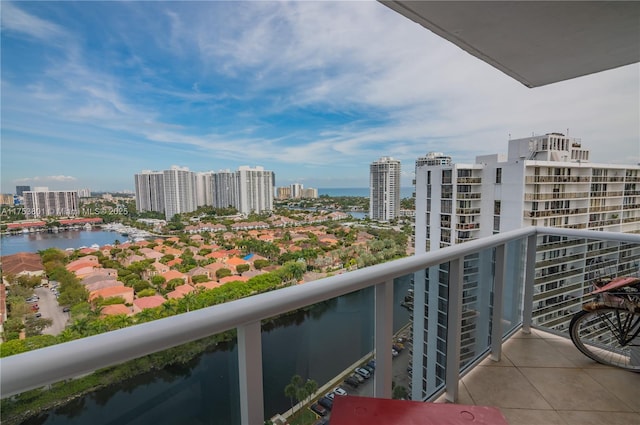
(510, 256)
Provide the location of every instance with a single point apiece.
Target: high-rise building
(204, 188)
(310, 193)
(179, 191)
(296, 190)
(150, 191)
(56, 203)
(384, 189)
(21, 189)
(255, 189)
(225, 189)
(543, 181)
(283, 193)
(84, 193)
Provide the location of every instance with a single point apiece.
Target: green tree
(293, 389)
(35, 325)
(260, 264)
(400, 392)
(146, 292)
(220, 273)
(199, 278)
(171, 285)
(241, 268)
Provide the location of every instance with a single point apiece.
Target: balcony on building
(504, 314)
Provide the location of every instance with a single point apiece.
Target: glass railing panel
(195, 383)
(566, 269)
(325, 342)
(477, 305)
(429, 347)
(513, 290)
(317, 343)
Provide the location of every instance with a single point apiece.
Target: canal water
(38, 241)
(317, 345)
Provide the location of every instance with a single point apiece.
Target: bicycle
(607, 329)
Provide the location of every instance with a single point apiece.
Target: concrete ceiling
(536, 42)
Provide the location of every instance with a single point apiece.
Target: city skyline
(94, 92)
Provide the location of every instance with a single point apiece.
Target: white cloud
(16, 20)
(38, 179)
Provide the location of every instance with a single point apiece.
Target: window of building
(446, 176)
(497, 205)
(498, 175)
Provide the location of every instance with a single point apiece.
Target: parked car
(37, 315)
(358, 377)
(353, 382)
(326, 403)
(32, 299)
(35, 307)
(363, 372)
(398, 347)
(339, 391)
(316, 408)
(369, 368)
(394, 353)
(372, 363)
(66, 309)
(330, 395)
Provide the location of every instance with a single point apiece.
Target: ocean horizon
(405, 192)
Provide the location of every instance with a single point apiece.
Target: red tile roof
(21, 262)
(149, 302)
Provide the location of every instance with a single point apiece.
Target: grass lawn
(303, 417)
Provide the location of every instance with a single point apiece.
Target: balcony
(533, 376)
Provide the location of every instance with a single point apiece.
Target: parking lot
(50, 309)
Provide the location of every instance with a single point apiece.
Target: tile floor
(543, 379)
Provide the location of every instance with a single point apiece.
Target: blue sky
(93, 92)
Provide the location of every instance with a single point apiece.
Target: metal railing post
(498, 296)
(383, 339)
(454, 317)
(530, 274)
(250, 374)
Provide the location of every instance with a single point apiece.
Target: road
(50, 309)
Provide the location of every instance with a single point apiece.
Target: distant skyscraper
(284, 193)
(255, 189)
(204, 188)
(84, 193)
(310, 193)
(384, 189)
(296, 190)
(21, 189)
(225, 189)
(179, 191)
(150, 191)
(57, 203)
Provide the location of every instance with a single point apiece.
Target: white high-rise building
(204, 188)
(296, 190)
(44, 203)
(225, 189)
(543, 181)
(384, 189)
(179, 191)
(255, 189)
(150, 191)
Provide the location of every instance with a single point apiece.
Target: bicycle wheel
(609, 336)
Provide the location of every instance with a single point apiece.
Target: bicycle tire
(598, 334)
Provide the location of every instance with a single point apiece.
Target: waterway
(38, 241)
(317, 345)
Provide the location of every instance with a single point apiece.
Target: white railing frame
(45, 366)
